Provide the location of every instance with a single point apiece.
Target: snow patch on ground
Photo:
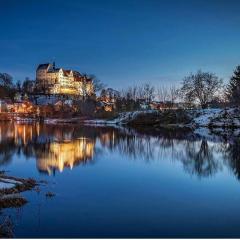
(100, 122)
(204, 117)
(217, 117)
(130, 116)
(6, 183)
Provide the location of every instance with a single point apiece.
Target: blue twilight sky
(122, 42)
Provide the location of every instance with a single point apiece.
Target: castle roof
(51, 69)
(80, 78)
(67, 72)
(43, 66)
(77, 74)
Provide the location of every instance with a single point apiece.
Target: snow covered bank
(122, 119)
(156, 118)
(100, 122)
(203, 118)
(217, 118)
(209, 118)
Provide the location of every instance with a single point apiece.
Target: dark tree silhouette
(7, 88)
(233, 88)
(6, 80)
(19, 86)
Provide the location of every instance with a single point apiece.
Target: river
(119, 182)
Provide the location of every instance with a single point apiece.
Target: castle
(50, 79)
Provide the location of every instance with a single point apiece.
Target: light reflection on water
(121, 182)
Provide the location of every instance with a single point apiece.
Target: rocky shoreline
(11, 189)
(10, 197)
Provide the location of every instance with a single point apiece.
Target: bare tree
(135, 92)
(19, 86)
(148, 92)
(173, 94)
(200, 88)
(162, 94)
(140, 92)
(97, 85)
(6, 80)
(27, 85)
(130, 93)
(84, 87)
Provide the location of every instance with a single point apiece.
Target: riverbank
(10, 197)
(11, 189)
(207, 118)
(169, 118)
(210, 124)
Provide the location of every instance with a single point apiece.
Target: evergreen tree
(233, 88)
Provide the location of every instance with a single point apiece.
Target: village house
(25, 107)
(5, 105)
(107, 99)
(155, 105)
(50, 79)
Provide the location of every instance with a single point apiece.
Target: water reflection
(58, 147)
(59, 155)
(54, 148)
(231, 154)
(200, 159)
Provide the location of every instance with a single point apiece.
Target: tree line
(197, 89)
(202, 89)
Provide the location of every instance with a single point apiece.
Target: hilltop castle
(60, 81)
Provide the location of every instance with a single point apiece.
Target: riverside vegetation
(200, 90)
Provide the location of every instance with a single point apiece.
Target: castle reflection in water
(54, 148)
(65, 146)
(65, 154)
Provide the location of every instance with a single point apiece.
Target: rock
(50, 194)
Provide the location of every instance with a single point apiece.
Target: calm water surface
(113, 182)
